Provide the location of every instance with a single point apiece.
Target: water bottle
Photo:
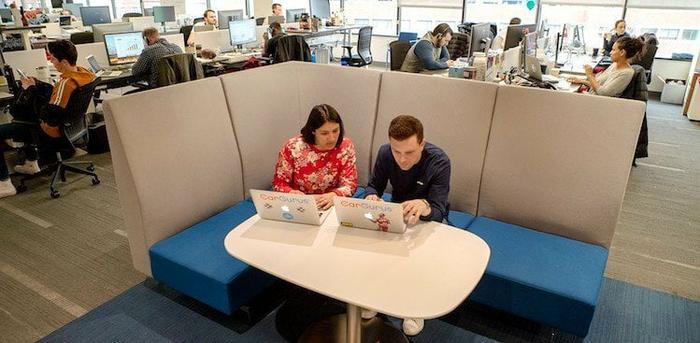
(313, 56)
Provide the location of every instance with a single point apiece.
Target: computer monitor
(95, 15)
(227, 16)
(56, 3)
(480, 38)
(294, 15)
(162, 14)
(516, 33)
(148, 12)
(6, 15)
(74, 8)
(99, 30)
(64, 20)
(320, 8)
(123, 48)
(242, 32)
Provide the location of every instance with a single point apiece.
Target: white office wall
(262, 8)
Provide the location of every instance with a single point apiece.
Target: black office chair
(73, 130)
(292, 48)
(364, 53)
(198, 20)
(637, 90)
(645, 58)
(398, 50)
(132, 14)
(186, 31)
(177, 68)
(458, 45)
(82, 38)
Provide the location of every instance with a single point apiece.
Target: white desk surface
(424, 273)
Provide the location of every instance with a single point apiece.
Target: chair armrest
(25, 122)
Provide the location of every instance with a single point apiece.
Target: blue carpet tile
(150, 312)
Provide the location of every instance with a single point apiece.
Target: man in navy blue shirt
(419, 173)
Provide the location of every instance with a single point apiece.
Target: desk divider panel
(177, 39)
(559, 163)
(354, 92)
(96, 49)
(176, 160)
(456, 116)
(27, 60)
(264, 108)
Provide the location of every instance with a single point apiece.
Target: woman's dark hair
(619, 21)
(320, 115)
(631, 46)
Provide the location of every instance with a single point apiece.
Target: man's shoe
(412, 327)
(28, 168)
(7, 189)
(368, 314)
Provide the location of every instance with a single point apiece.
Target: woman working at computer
(614, 35)
(614, 80)
(319, 161)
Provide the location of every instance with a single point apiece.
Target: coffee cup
(42, 73)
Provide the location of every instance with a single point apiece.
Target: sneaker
(7, 189)
(368, 314)
(412, 327)
(28, 168)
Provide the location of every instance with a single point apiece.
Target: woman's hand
(589, 70)
(324, 201)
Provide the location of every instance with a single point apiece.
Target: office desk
(424, 273)
(574, 64)
(24, 31)
(111, 82)
(325, 35)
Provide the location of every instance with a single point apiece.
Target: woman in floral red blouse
(319, 161)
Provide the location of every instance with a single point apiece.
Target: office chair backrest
(75, 125)
(197, 20)
(398, 50)
(646, 56)
(186, 31)
(292, 48)
(82, 38)
(637, 88)
(408, 36)
(177, 68)
(132, 14)
(458, 45)
(364, 42)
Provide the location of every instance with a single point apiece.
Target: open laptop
(287, 207)
(98, 70)
(371, 215)
(533, 69)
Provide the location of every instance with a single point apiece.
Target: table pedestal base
(333, 329)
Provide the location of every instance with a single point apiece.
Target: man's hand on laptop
(324, 201)
(373, 197)
(413, 209)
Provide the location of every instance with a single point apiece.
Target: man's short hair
(63, 50)
(150, 32)
(275, 26)
(515, 21)
(404, 126)
(207, 12)
(276, 5)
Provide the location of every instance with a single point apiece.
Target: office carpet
(61, 258)
(149, 312)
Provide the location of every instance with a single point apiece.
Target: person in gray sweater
(613, 81)
(430, 52)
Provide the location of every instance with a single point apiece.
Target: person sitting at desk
(319, 161)
(419, 173)
(146, 65)
(430, 53)
(43, 104)
(500, 40)
(612, 37)
(209, 17)
(304, 23)
(276, 9)
(614, 80)
(270, 43)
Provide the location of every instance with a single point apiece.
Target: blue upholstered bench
(196, 263)
(543, 277)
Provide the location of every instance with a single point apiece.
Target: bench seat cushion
(543, 277)
(196, 263)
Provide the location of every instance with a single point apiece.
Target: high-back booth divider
(544, 172)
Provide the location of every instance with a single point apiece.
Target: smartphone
(21, 73)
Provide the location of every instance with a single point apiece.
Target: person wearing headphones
(612, 37)
(430, 53)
